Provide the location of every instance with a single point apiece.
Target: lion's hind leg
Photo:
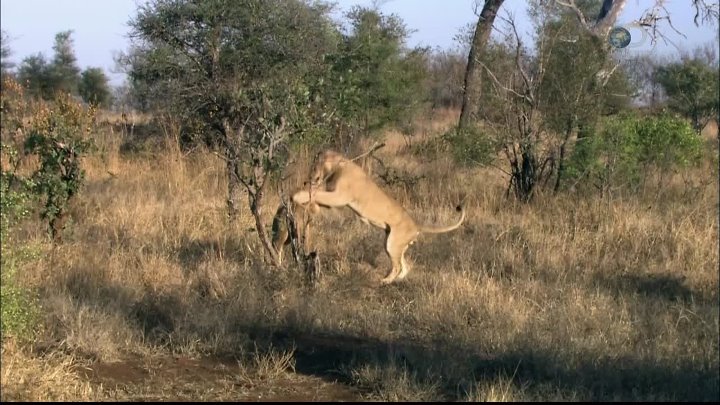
(395, 246)
(405, 268)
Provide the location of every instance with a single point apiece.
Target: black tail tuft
(458, 208)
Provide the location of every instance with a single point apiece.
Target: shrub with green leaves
(19, 310)
(666, 141)
(691, 86)
(628, 148)
(56, 133)
(58, 136)
(469, 146)
(375, 79)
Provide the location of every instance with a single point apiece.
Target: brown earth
(210, 379)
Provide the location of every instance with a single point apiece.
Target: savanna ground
(155, 296)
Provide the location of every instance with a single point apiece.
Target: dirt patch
(210, 379)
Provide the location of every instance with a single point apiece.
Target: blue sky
(100, 26)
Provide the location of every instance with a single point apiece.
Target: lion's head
(325, 163)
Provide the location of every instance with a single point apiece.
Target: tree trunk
(234, 186)
(57, 225)
(561, 162)
(697, 126)
(609, 13)
(256, 207)
(524, 174)
(472, 90)
(529, 171)
(232, 169)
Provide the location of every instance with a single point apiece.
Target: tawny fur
(338, 182)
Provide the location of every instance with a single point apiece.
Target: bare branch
(523, 73)
(706, 12)
(276, 137)
(650, 19)
(500, 169)
(605, 76)
(528, 96)
(373, 148)
(572, 6)
(476, 8)
(497, 83)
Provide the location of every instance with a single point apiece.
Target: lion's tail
(432, 229)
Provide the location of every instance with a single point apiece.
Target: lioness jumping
(338, 182)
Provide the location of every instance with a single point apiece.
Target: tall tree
(5, 63)
(640, 69)
(375, 79)
(64, 72)
(536, 100)
(473, 86)
(34, 74)
(571, 94)
(606, 17)
(446, 69)
(93, 87)
(241, 72)
(692, 89)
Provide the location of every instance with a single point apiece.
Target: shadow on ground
(667, 287)
(332, 357)
(192, 252)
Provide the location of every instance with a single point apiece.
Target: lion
(338, 182)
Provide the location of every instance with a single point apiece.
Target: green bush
(54, 133)
(666, 142)
(20, 306)
(375, 79)
(58, 136)
(628, 148)
(470, 146)
(20, 310)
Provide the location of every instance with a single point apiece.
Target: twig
(220, 156)
(498, 84)
(571, 5)
(375, 147)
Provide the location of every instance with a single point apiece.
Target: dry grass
(53, 377)
(570, 298)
